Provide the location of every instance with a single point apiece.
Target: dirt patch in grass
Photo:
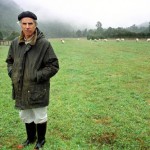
(61, 135)
(104, 121)
(143, 145)
(105, 138)
(10, 143)
(148, 101)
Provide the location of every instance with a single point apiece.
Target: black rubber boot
(31, 135)
(41, 131)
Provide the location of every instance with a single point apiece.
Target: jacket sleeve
(50, 65)
(10, 60)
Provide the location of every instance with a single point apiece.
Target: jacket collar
(33, 39)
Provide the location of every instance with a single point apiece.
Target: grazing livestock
(118, 40)
(137, 39)
(62, 41)
(148, 40)
(105, 40)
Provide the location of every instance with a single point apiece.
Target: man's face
(28, 26)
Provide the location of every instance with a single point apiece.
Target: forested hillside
(9, 11)
(8, 20)
(9, 28)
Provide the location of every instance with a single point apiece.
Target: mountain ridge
(9, 11)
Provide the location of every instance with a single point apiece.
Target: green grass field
(100, 98)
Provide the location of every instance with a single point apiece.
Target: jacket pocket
(38, 95)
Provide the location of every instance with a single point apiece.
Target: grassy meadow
(100, 98)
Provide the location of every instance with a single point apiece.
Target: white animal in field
(118, 40)
(105, 40)
(137, 39)
(122, 39)
(148, 40)
(62, 41)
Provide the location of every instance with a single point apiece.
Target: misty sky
(111, 13)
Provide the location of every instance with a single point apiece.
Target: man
(31, 62)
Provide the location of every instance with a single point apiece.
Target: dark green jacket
(30, 67)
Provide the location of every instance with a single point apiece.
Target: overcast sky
(111, 13)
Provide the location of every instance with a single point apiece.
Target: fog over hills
(145, 24)
(9, 11)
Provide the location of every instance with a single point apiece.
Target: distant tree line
(130, 32)
(62, 31)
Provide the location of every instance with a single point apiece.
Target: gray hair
(19, 22)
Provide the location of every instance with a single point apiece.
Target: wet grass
(100, 98)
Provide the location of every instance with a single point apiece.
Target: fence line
(4, 42)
